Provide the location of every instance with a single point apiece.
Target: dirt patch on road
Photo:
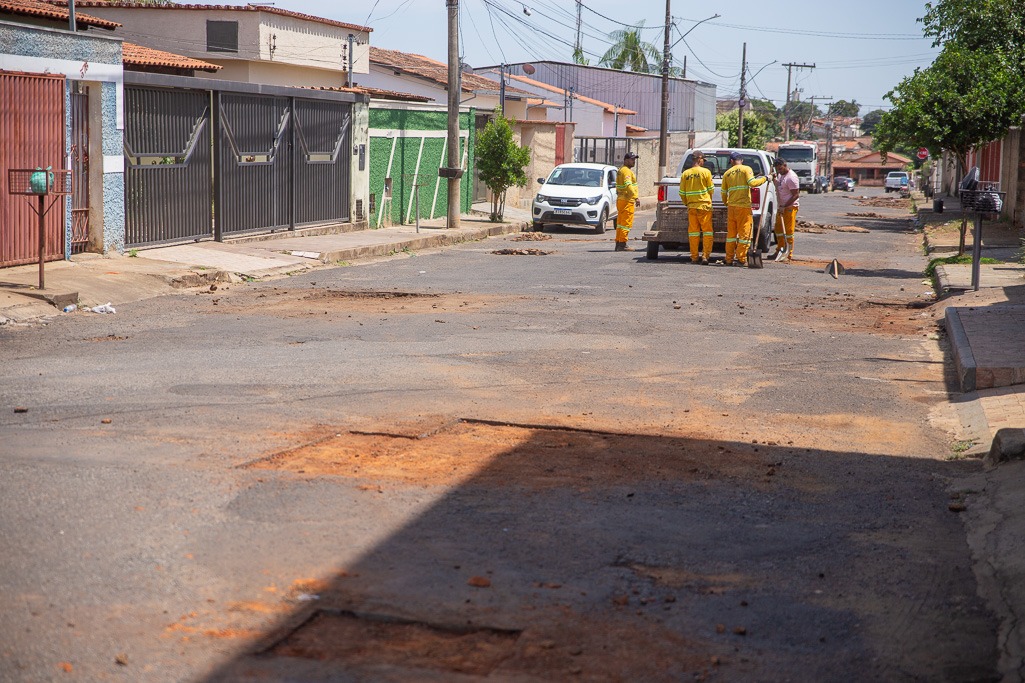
(902, 318)
(820, 228)
(305, 302)
(530, 457)
(887, 202)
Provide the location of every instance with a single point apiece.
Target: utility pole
(786, 108)
(453, 171)
(72, 23)
(501, 88)
(741, 102)
(578, 48)
(352, 43)
(663, 130)
(829, 143)
(811, 114)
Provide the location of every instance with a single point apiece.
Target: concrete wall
(359, 190)
(94, 61)
(408, 144)
(540, 139)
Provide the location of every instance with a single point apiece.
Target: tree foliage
(501, 163)
(629, 52)
(755, 129)
(845, 108)
(964, 98)
(579, 58)
(871, 120)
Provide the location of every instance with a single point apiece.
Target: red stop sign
(923, 153)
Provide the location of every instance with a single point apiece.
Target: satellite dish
(529, 69)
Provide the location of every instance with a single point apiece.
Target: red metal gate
(80, 169)
(560, 143)
(32, 130)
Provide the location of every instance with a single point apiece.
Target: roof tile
(46, 10)
(137, 55)
(234, 8)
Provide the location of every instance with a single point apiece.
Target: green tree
(978, 25)
(630, 53)
(871, 120)
(771, 116)
(755, 131)
(579, 58)
(965, 98)
(845, 108)
(501, 163)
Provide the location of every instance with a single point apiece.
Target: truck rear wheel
(652, 251)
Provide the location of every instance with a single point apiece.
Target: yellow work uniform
(696, 190)
(785, 220)
(736, 193)
(626, 190)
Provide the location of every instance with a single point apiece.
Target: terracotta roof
(611, 108)
(222, 8)
(378, 93)
(37, 8)
(635, 129)
(137, 55)
(542, 102)
(433, 70)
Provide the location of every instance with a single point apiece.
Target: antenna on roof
(528, 69)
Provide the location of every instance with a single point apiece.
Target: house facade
(64, 108)
(869, 169)
(691, 103)
(252, 43)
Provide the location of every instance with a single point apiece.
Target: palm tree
(629, 52)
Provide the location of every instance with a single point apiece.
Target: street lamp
(663, 136)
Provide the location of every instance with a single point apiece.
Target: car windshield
(796, 153)
(580, 177)
(719, 162)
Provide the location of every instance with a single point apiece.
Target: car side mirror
(541, 180)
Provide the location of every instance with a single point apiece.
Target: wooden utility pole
(453, 170)
(663, 129)
(741, 102)
(786, 107)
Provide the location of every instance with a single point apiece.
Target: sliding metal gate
(275, 162)
(167, 165)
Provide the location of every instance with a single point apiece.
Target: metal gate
(32, 134)
(232, 159)
(602, 150)
(167, 165)
(79, 169)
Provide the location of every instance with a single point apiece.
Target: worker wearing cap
(736, 193)
(788, 192)
(626, 192)
(696, 190)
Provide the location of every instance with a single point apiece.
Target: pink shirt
(788, 188)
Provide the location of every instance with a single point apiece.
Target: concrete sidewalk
(91, 279)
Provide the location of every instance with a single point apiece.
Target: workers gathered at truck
(696, 191)
(788, 192)
(626, 188)
(736, 193)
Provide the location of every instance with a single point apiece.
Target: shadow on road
(554, 554)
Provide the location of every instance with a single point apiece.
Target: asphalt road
(582, 465)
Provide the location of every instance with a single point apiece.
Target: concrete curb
(964, 359)
(943, 280)
(424, 241)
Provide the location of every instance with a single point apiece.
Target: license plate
(563, 212)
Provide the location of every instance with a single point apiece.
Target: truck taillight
(661, 193)
(756, 197)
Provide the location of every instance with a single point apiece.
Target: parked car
(842, 182)
(670, 229)
(897, 181)
(577, 194)
(824, 183)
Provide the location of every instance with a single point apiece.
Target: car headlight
(540, 198)
(593, 200)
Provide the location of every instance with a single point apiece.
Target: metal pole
(72, 22)
(501, 88)
(976, 251)
(663, 128)
(352, 40)
(786, 107)
(740, 102)
(453, 111)
(42, 238)
(416, 188)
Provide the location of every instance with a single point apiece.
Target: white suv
(577, 194)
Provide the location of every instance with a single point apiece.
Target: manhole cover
(380, 640)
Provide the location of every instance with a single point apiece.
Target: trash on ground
(104, 308)
(70, 308)
(521, 252)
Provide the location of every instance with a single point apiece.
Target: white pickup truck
(669, 231)
(897, 181)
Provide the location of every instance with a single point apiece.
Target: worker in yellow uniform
(696, 190)
(626, 191)
(736, 193)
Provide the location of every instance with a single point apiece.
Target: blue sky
(861, 49)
